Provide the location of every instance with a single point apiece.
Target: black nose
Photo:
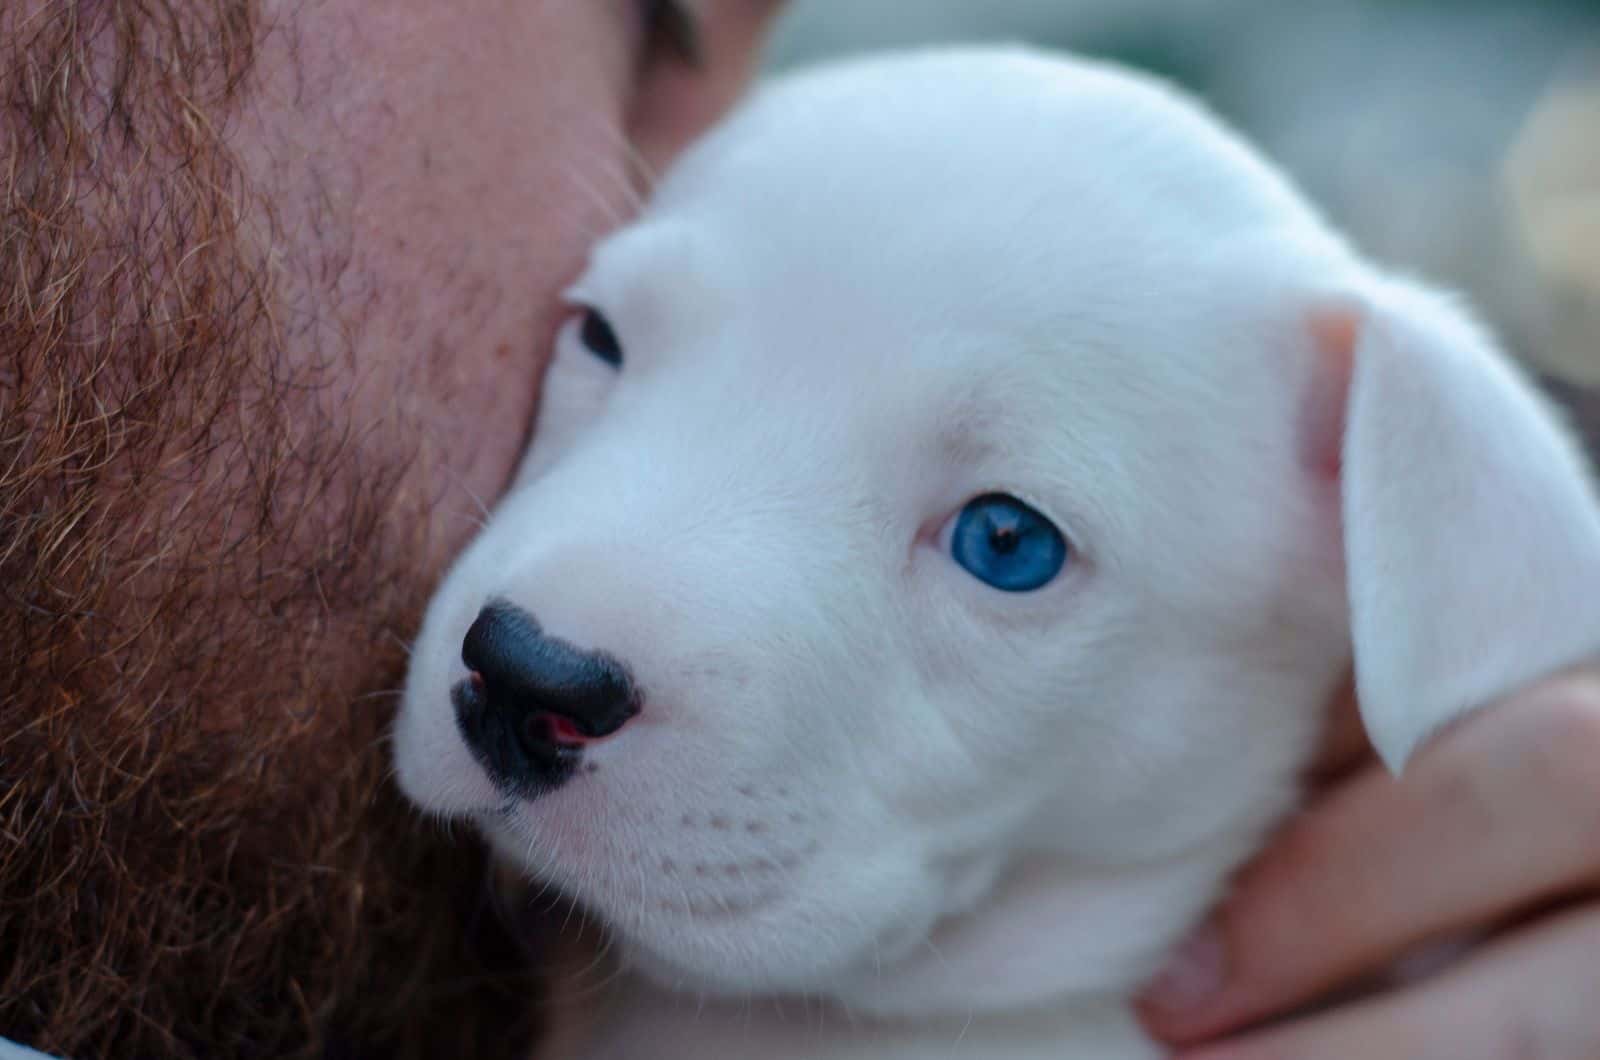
(532, 700)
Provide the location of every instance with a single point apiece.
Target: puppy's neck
(1050, 933)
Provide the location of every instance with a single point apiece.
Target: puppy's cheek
(890, 903)
(433, 766)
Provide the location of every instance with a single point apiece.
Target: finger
(1502, 812)
(1533, 995)
(1344, 739)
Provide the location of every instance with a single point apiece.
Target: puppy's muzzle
(532, 701)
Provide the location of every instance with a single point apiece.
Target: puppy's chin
(724, 955)
(787, 946)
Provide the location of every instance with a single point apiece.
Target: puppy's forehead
(1000, 171)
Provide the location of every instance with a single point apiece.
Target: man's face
(279, 282)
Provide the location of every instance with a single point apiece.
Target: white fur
(873, 807)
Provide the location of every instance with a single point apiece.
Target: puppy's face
(921, 498)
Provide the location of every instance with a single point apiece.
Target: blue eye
(1004, 543)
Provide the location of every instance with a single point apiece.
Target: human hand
(1492, 838)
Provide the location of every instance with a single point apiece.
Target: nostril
(540, 732)
(562, 730)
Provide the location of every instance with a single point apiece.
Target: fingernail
(1193, 976)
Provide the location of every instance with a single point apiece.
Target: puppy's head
(954, 500)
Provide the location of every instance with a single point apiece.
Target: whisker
(608, 210)
(638, 178)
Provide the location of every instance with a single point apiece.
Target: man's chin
(169, 896)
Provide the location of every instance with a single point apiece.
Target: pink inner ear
(1322, 417)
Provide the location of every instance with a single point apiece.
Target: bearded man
(276, 284)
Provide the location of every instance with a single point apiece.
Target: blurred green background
(1456, 138)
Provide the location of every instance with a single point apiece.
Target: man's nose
(532, 700)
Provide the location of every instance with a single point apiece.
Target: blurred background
(1459, 139)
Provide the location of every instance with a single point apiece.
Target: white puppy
(955, 500)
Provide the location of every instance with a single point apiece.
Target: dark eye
(599, 339)
(1004, 543)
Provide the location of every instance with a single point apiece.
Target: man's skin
(276, 283)
(277, 278)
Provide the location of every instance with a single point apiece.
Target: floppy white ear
(1471, 529)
